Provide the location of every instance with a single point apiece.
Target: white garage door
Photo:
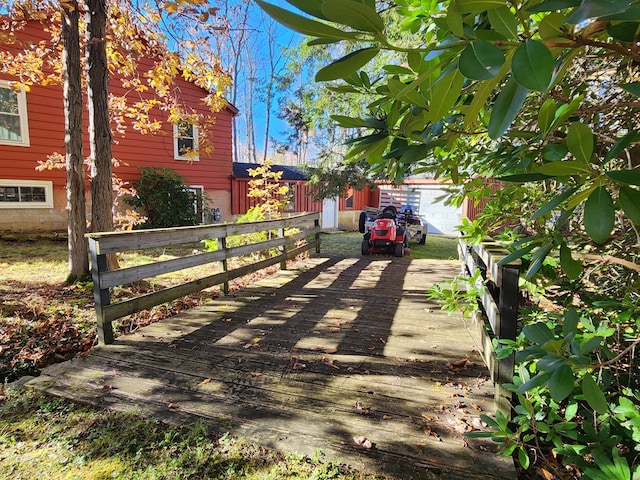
(442, 218)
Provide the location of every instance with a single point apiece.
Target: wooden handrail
(106, 243)
(498, 296)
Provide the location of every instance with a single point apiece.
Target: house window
(185, 141)
(14, 127)
(348, 203)
(26, 194)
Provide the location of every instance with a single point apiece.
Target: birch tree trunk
(76, 210)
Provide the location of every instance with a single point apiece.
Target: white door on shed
(329, 213)
(441, 218)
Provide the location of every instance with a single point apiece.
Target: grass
(47, 438)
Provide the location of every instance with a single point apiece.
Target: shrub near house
(165, 199)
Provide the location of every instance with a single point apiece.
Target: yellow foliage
(265, 185)
(55, 161)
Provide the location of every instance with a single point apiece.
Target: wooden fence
(291, 236)
(498, 319)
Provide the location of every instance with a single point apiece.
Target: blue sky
(284, 37)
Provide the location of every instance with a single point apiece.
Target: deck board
(307, 359)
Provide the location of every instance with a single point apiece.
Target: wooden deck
(341, 355)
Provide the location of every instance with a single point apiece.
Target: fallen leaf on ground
(330, 363)
(205, 381)
(173, 406)
(256, 374)
(364, 442)
(361, 408)
(460, 426)
(478, 424)
(459, 364)
(458, 405)
(330, 350)
(430, 433)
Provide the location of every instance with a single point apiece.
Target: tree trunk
(99, 129)
(77, 222)
(248, 109)
(100, 136)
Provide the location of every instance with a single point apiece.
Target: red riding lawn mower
(385, 235)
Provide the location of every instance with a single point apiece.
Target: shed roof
(289, 172)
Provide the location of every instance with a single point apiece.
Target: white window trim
(176, 151)
(24, 121)
(48, 193)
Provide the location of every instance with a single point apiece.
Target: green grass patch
(41, 437)
(438, 247)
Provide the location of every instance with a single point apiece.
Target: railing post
(283, 249)
(101, 296)
(499, 299)
(509, 297)
(316, 224)
(222, 242)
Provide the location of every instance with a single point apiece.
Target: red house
(32, 129)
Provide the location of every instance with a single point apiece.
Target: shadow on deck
(334, 355)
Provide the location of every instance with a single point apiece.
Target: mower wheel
(398, 249)
(365, 247)
(361, 222)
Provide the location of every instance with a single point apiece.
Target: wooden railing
(305, 226)
(498, 296)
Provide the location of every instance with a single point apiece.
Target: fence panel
(498, 296)
(286, 242)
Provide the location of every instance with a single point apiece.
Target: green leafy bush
(165, 199)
